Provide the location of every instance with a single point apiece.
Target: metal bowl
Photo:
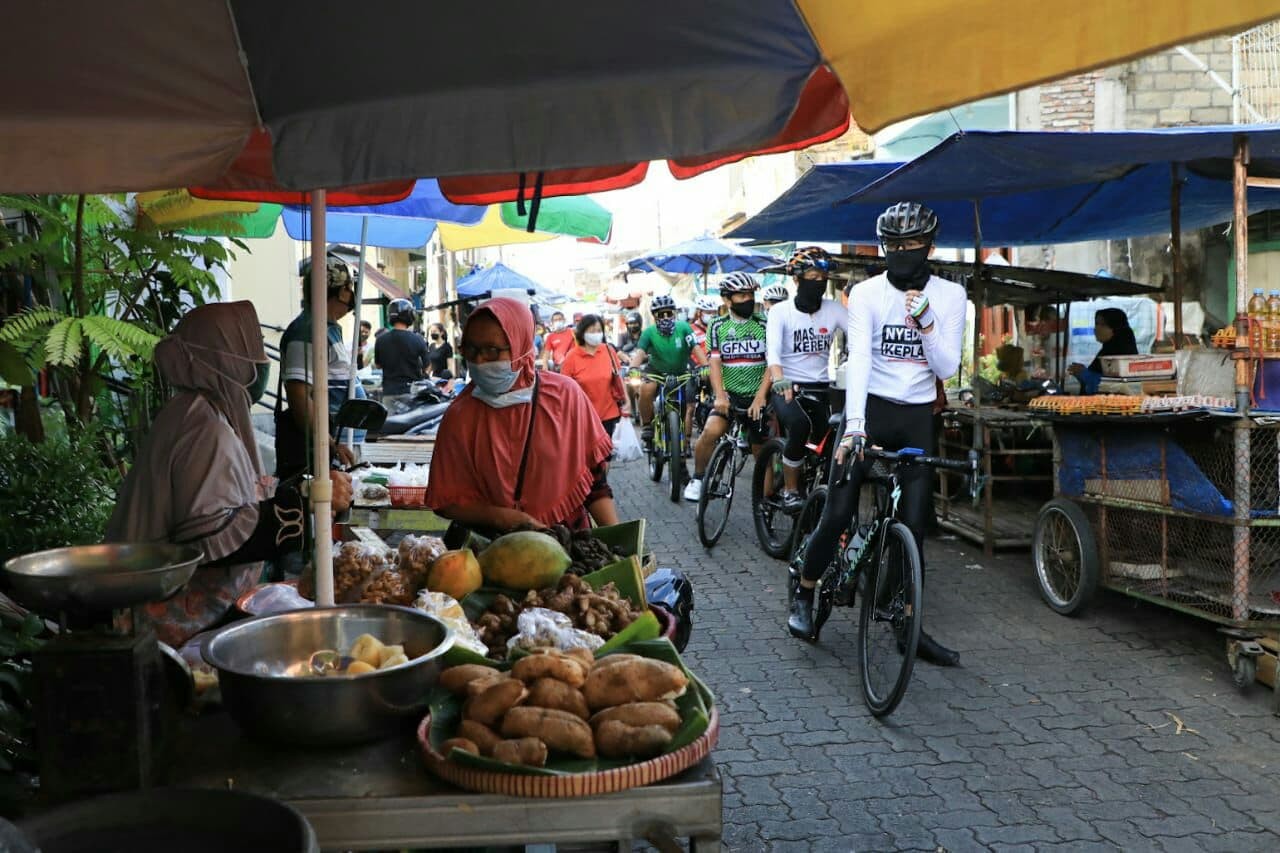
(260, 661)
(101, 577)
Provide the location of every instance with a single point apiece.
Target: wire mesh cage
(1256, 61)
(1163, 508)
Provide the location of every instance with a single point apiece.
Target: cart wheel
(1245, 671)
(1066, 557)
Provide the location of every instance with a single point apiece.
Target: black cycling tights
(802, 420)
(891, 426)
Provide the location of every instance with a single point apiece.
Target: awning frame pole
(979, 290)
(1240, 233)
(1175, 244)
(321, 489)
(358, 286)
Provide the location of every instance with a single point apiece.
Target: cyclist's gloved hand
(781, 386)
(918, 309)
(852, 443)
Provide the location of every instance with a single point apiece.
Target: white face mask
(593, 339)
(557, 325)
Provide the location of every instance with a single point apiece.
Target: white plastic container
(1139, 366)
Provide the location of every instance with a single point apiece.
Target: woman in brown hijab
(198, 479)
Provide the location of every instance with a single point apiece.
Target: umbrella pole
(1175, 242)
(321, 488)
(355, 323)
(978, 289)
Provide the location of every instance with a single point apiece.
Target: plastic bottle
(1273, 310)
(1257, 321)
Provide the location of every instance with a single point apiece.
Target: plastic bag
(626, 444)
(449, 611)
(540, 628)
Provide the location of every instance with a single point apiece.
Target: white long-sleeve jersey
(800, 343)
(889, 356)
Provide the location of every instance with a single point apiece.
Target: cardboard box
(1139, 366)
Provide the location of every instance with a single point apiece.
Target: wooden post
(1175, 241)
(1240, 231)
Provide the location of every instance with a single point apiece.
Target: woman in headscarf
(1112, 330)
(198, 479)
(518, 447)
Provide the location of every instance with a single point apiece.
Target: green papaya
(524, 560)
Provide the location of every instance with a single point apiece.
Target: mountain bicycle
(727, 460)
(877, 558)
(666, 448)
(775, 527)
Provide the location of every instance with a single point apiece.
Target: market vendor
(198, 479)
(518, 446)
(1112, 330)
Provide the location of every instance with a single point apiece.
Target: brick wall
(1068, 104)
(1165, 89)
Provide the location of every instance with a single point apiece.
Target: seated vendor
(1011, 362)
(198, 479)
(1111, 328)
(518, 446)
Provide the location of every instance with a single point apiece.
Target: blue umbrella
(481, 283)
(704, 255)
(405, 224)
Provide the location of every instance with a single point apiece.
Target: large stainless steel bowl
(258, 661)
(101, 577)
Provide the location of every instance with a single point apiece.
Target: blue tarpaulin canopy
(405, 224)
(1035, 188)
(483, 282)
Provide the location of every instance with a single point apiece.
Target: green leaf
(28, 323)
(644, 628)
(13, 367)
(63, 345)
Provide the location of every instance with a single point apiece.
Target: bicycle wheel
(656, 451)
(676, 470)
(774, 527)
(889, 624)
(717, 495)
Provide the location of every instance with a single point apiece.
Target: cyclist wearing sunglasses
(799, 347)
(905, 333)
(667, 347)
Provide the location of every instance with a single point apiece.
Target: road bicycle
(666, 448)
(775, 526)
(877, 558)
(727, 460)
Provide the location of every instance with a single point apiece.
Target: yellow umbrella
(175, 208)
(912, 57)
(489, 231)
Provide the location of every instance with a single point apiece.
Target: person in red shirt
(557, 344)
(593, 364)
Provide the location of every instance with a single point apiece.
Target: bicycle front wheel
(889, 625)
(675, 460)
(717, 495)
(773, 526)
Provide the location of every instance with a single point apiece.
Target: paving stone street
(1117, 730)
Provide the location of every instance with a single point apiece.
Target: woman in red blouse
(593, 364)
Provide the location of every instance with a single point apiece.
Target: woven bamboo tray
(570, 784)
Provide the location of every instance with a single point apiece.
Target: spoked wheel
(675, 461)
(889, 624)
(717, 495)
(1066, 557)
(656, 451)
(774, 527)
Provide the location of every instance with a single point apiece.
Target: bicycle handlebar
(914, 456)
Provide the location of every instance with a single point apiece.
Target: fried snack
(550, 664)
(643, 680)
(550, 693)
(662, 714)
(559, 730)
(387, 652)
(367, 648)
(455, 678)
(586, 657)
(478, 685)
(395, 660)
(359, 667)
(490, 704)
(479, 734)
(458, 743)
(528, 751)
(616, 739)
(615, 659)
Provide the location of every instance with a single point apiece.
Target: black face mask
(259, 385)
(743, 309)
(634, 331)
(908, 269)
(809, 294)
(435, 337)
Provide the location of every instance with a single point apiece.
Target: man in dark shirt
(400, 354)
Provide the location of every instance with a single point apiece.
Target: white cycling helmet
(709, 302)
(775, 293)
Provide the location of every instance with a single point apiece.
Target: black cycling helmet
(738, 282)
(661, 303)
(907, 220)
(633, 318)
(401, 311)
